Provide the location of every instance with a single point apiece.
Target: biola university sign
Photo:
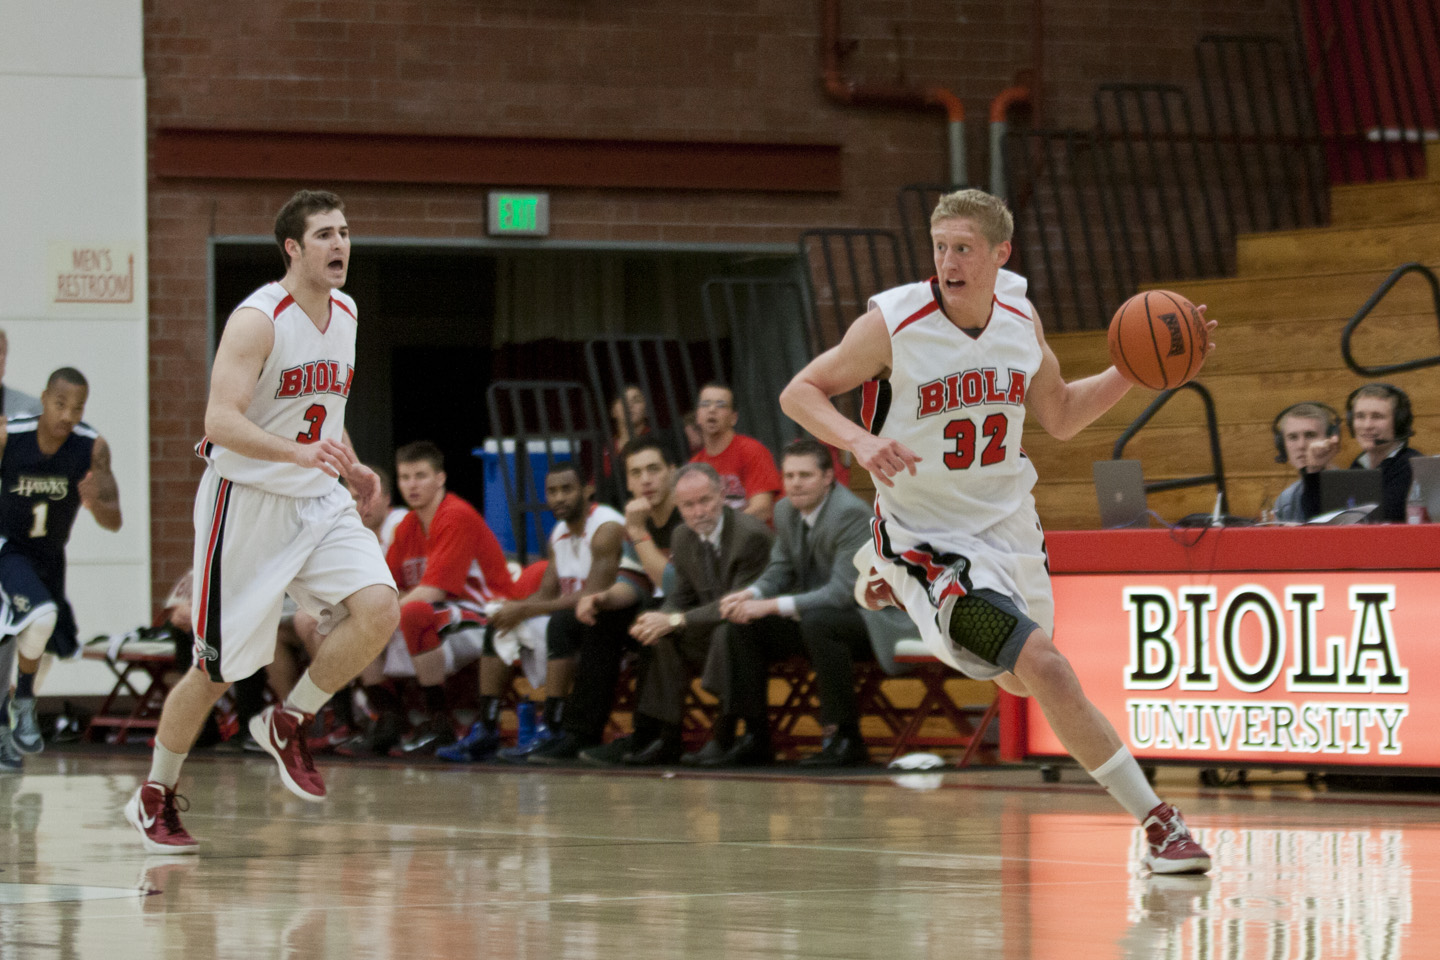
(1306, 668)
(1282, 651)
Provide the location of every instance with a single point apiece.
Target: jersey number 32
(962, 431)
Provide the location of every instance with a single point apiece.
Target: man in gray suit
(13, 403)
(804, 604)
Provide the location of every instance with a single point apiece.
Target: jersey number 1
(315, 416)
(962, 431)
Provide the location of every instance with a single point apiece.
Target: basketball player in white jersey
(271, 517)
(949, 368)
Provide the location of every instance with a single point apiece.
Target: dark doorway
(448, 389)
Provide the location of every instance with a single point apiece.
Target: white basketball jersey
(571, 554)
(959, 403)
(300, 394)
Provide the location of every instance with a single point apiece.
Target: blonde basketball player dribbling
(271, 517)
(949, 369)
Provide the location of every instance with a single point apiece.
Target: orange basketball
(1158, 340)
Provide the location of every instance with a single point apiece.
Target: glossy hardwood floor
(425, 861)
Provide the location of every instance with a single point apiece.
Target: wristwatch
(677, 620)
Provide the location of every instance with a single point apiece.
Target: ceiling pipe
(848, 92)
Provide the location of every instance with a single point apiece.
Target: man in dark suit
(803, 604)
(717, 551)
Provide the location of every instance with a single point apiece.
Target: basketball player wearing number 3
(271, 517)
(949, 368)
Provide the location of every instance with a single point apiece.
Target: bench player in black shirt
(52, 465)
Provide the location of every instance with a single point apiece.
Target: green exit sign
(519, 215)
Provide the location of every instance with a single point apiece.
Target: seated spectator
(1307, 436)
(604, 618)
(630, 419)
(747, 471)
(586, 555)
(717, 551)
(1380, 417)
(802, 604)
(650, 516)
(629, 415)
(447, 565)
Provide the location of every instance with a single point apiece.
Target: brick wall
(651, 69)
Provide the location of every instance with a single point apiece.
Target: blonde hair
(989, 213)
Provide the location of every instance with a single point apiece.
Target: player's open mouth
(954, 284)
(337, 264)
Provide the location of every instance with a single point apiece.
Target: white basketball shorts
(253, 547)
(928, 577)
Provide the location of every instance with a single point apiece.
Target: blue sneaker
(11, 760)
(523, 749)
(24, 726)
(477, 745)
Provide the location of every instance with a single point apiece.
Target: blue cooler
(497, 508)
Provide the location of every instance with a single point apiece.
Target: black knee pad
(989, 624)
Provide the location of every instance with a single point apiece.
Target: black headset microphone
(1402, 421)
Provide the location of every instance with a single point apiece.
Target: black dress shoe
(610, 754)
(749, 750)
(659, 752)
(710, 755)
(562, 749)
(838, 750)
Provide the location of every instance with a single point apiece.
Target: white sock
(1123, 779)
(306, 697)
(165, 766)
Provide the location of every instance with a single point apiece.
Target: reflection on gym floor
(421, 861)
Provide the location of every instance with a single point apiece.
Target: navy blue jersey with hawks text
(39, 495)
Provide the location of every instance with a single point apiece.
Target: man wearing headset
(1380, 417)
(1307, 436)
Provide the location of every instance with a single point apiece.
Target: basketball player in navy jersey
(53, 464)
(272, 519)
(950, 367)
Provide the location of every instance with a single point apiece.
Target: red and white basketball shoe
(154, 810)
(872, 590)
(282, 733)
(1172, 848)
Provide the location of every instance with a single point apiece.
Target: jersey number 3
(315, 416)
(962, 431)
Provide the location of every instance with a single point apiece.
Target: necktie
(804, 557)
(711, 558)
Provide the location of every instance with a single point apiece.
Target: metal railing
(559, 416)
(1354, 323)
(853, 264)
(665, 373)
(915, 202)
(764, 317)
(1217, 473)
(1263, 140)
(1068, 243)
(1147, 195)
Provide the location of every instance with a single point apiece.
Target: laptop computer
(1349, 489)
(1120, 490)
(1426, 472)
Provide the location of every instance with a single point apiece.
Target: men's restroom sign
(91, 273)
